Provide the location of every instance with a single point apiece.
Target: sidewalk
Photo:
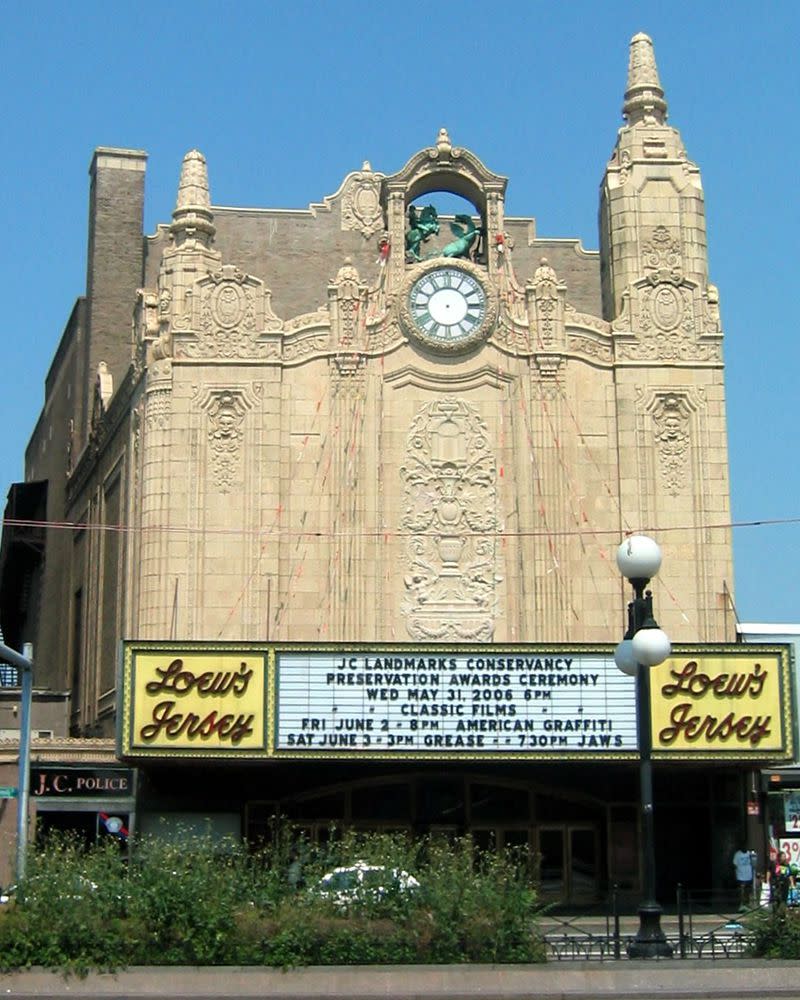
(666, 980)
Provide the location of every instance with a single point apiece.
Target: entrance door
(568, 865)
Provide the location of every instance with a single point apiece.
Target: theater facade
(333, 537)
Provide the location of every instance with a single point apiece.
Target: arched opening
(449, 225)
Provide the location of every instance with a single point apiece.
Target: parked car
(364, 883)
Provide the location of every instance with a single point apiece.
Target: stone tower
(667, 336)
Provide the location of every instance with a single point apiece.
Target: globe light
(624, 658)
(639, 558)
(651, 646)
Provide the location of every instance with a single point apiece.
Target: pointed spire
(192, 218)
(644, 96)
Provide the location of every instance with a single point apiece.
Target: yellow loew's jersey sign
(719, 703)
(217, 701)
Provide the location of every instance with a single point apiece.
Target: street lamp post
(23, 663)
(645, 645)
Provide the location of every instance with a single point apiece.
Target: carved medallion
(228, 304)
(666, 307)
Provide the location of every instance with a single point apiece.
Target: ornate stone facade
(297, 465)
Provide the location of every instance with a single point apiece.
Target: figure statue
(466, 234)
(422, 227)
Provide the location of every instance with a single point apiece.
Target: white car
(362, 882)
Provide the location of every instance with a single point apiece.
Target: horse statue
(421, 227)
(466, 234)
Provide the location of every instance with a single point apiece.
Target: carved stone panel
(672, 439)
(361, 202)
(661, 256)
(233, 311)
(225, 410)
(450, 493)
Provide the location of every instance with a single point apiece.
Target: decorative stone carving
(348, 376)
(451, 514)
(713, 324)
(192, 221)
(644, 96)
(666, 308)
(158, 396)
(226, 411)
(625, 164)
(550, 366)
(665, 312)
(305, 346)
(361, 202)
(546, 299)
(307, 321)
(234, 308)
(347, 303)
(103, 391)
(576, 321)
(661, 257)
(667, 347)
(228, 305)
(591, 348)
(104, 384)
(671, 419)
(158, 409)
(511, 335)
(146, 314)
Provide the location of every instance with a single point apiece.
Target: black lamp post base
(650, 941)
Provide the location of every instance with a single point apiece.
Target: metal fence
(700, 925)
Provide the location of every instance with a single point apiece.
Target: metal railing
(701, 925)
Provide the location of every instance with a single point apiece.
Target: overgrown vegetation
(190, 901)
(775, 933)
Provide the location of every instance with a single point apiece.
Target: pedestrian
(743, 866)
(781, 880)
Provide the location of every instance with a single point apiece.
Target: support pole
(650, 941)
(24, 664)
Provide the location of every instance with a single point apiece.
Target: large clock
(447, 307)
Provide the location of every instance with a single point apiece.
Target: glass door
(552, 863)
(568, 863)
(583, 874)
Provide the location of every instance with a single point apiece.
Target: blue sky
(285, 98)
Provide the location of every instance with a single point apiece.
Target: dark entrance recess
(563, 837)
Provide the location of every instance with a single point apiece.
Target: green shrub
(775, 933)
(191, 901)
(69, 910)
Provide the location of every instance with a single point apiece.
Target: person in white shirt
(743, 866)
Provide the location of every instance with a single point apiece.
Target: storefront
(515, 745)
(92, 802)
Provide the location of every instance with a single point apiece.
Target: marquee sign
(710, 703)
(387, 701)
(496, 703)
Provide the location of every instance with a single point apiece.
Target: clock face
(448, 307)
